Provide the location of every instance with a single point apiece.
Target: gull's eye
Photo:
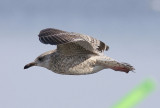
(40, 58)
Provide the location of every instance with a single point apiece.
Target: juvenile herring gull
(76, 54)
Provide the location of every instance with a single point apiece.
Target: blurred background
(130, 27)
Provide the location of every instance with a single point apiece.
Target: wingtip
(129, 67)
(107, 48)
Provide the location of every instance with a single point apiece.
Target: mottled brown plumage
(76, 54)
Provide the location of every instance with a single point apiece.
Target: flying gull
(76, 54)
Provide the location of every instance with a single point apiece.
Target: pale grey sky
(130, 27)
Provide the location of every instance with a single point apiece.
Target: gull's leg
(112, 64)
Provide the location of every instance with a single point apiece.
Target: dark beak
(29, 65)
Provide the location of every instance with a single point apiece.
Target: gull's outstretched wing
(69, 42)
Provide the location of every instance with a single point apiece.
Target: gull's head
(41, 61)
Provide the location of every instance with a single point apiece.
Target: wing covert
(59, 37)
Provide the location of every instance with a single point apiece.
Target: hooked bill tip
(25, 67)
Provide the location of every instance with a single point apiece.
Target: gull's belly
(78, 70)
(76, 65)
